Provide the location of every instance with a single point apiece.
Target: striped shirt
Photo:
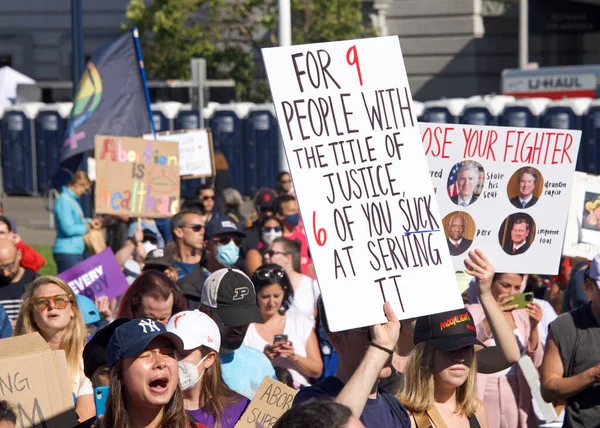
(12, 293)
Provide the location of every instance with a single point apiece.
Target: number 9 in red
(321, 234)
(352, 59)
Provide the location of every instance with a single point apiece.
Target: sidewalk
(31, 217)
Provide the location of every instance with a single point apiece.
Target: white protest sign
(196, 158)
(349, 128)
(516, 185)
(583, 226)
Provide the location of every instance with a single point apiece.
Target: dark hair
(293, 247)
(284, 376)
(283, 281)
(282, 174)
(268, 218)
(322, 315)
(277, 207)
(521, 221)
(199, 190)
(154, 284)
(497, 275)
(6, 221)
(528, 170)
(7, 413)
(322, 413)
(177, 220)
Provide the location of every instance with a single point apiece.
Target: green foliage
(230, 34)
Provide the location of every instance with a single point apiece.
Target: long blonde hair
(216, 396)
(419, 386)
(117, 415)
(73, 340)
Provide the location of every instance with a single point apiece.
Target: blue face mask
(228, 254)
(293, 219)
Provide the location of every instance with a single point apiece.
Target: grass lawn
(46, 251)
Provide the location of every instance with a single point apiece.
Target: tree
(230, 34)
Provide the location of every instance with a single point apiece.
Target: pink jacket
(522, 393)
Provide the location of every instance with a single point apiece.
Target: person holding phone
(206, 396)
(288, 340)
(506, 394)
(50, 308)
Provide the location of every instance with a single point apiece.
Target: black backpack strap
(397, 408)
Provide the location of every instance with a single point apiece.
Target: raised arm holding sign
(354, 149)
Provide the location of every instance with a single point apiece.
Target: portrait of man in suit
(468, 176)
(527, 180)
(457, 243)
(518, 238)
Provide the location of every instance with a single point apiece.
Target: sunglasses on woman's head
(271, 253)
(266, 273)
(61, 301)
(270, 229)
(224, 240)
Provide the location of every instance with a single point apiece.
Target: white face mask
(188, 374)
(149, 246)
(269, 237)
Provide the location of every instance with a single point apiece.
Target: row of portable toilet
(32, 136)
(569, 113)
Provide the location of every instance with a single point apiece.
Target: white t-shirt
(305, 298)
(82, 385)
(298, 329)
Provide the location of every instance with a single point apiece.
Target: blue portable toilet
(187, 118)
(523, 112)
(50, 125)
(568, 114)
(163, 115)
(443, 111)
(484, 112)
(261, 148)
(590, 141)
(228, 138)
(19, 170)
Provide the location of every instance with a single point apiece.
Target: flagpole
(138, 50)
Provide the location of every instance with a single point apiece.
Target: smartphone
(521, 300)
(100, 397)
(280, 338)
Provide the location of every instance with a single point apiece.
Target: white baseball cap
(195, 329)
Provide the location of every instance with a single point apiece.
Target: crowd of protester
(217, 300)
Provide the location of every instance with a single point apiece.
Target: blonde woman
(50, 309)
(207, 398)
(440, 388)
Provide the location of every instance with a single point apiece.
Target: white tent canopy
(9, 79)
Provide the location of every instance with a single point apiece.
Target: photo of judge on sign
(460, 230)
(525, 187)
(465, 182)
(517, 234)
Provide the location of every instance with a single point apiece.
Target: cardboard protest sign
(136, 177)
(196, 157)
(99, 275)
(582, 238)
(352, 142)
(503, 190)
(272, 400)
(36, 382)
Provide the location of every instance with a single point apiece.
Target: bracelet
(383, 348)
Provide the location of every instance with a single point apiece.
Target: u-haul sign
(553, 86)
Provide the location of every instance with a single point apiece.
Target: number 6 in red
(352, 59)
(321, 234)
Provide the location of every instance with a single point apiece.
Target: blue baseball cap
(88, 309)
(222, 226)
(130, 339)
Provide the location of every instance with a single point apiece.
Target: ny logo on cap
(240, 292)
(159, 252)
(149, 323)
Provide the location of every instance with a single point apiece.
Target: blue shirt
(70, 224)
(244, 370)
(5, 327)
(184, 269)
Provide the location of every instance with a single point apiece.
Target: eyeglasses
(224, 240)
(206, 198)
(194, 227)
(270, 229)
(61, 301)
(271, 253)
(9, 266)
(266, 273)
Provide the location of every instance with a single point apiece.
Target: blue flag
(110, 98)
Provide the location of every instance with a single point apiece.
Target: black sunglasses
(206, 198)
(224, 240)
(269, 228)
(195, 227)
(271, 253)
(266, 273)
